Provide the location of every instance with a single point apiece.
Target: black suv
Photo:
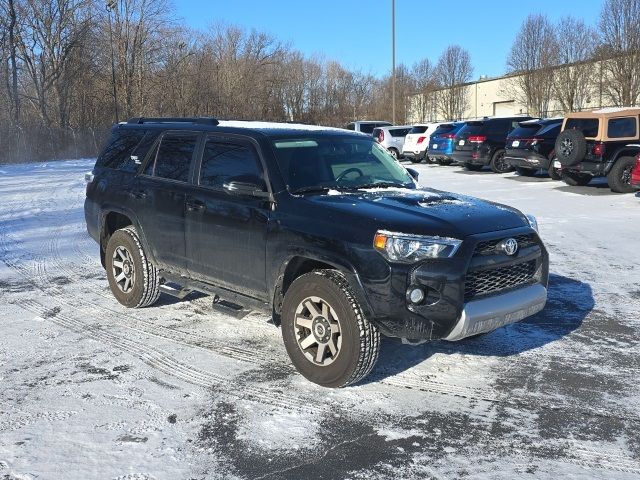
(319, 227)
(482, 142)
(599, 143)
(531, 146)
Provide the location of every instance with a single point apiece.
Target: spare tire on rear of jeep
(571, 147)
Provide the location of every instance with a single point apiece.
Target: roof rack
(199, 120)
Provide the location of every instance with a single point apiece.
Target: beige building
(486, 97)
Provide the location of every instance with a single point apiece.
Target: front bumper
(487, 314)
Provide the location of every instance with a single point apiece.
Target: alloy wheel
(318, 331)
(123, 269)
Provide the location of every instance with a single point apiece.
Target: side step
(229, 308)
(175, 291)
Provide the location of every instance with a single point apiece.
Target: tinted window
(119, 148)
(471, 128)
(351, 126)
(367, 127)
(525, 131)
(173, 159)
(222, 162)
(551, 130)
(622, 127)
(418, 129)
(588, 126)
(399, 132)
(498, 127)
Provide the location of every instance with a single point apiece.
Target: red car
(635, 173)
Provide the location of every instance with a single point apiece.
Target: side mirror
(246, 188)
(414, 173)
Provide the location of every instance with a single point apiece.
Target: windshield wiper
(381, 185)
(311, 189)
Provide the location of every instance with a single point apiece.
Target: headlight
(401, 247)
(533, 222)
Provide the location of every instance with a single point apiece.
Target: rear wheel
(619, 178)
(415, 160)
(473, 167)
(576, 179)
(394, 153)
(325, 332)
(526, 172)
(498, 163)
(444, 161)
(133, 280)
(554, 173)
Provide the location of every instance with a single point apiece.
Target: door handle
(195, 206)
(139, 194)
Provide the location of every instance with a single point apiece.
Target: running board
(225, 300)
(176, 291)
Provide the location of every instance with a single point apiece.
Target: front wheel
(619, 178)
(325, 332)
(133, 279)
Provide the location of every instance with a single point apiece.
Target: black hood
(420, 211)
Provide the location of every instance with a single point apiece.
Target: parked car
(320, 228)
(531, 146)
(482, 142)
(417, 141)
(441, 142)
(392, 138)
(635, 173)
(367, 126)
(599, 143)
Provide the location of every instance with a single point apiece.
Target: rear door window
(174, 156)
(224, 162)
(119, 148)
(588, 126)
(622, 127)
(367, 127)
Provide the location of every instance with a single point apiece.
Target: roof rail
(199, 120)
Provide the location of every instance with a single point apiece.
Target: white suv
(367, 126)
(392, 138)
(417, 141)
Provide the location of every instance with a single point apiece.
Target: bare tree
(452, 72)
(620, 36)
(9, 42)
(576, 47)
(424, 78)
(532, 58)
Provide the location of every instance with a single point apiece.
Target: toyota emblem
(509, 246)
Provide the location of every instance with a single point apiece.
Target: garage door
(504, 109)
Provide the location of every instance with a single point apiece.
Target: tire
(553, 172)
(394, 153)
(571, 147)
(498, 164)
(576, 179)
(143, 288)
(444, 161)
(356, 345)
(472, 167)
(415, 160)
(526, 172)
(429, 159)
(619, 177)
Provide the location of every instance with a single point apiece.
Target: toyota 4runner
(319, 227)
(599, 143)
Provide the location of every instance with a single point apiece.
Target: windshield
(341, 163)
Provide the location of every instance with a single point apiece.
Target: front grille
(489, 247)
(483, 282)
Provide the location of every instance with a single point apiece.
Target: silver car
(367, 126)
(392, 138)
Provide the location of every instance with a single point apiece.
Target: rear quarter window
(399, 132)
(367, 127)
(419, 129)
(622, 127)
(119, 148)
(588, 126)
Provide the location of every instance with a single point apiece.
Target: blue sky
(358, 33)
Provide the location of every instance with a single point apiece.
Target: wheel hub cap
(318, 331)
(123, 269)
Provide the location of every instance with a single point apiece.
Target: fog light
(416, 295)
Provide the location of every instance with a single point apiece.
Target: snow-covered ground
(89, 389)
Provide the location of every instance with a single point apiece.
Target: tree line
(70, 68)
